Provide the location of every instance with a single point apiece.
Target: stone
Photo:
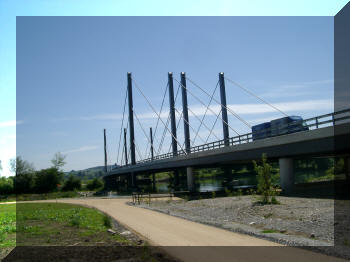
(125, 233)
(111, 231)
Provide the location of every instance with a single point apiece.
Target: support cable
(177, 126)
(122, 158)
(143, 130)
(190, 125)
(198, 99)
(217, 117)
(205, 113)
(122, 125)
(230, 110)
(167, 123)
(203, 124)
(138, 151)
(150, 104)
(160, 146)
(252, 94)
(161, 108)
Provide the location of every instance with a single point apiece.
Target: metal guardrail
(311, 124)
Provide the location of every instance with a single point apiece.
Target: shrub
(94, 184)
(24, 183)
(264, 177)
(47, 180)
(72, 183)
(6, 186)
(107, 221)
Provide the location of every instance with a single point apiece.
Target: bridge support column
(347, 166)
(190, 179)
(133, 180)
(286, 174)
(153, 182)
(176, 180)
(224, 109)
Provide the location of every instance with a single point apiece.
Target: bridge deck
(313, 142)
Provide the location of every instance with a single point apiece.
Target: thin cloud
(297, 89)
(240, 109)
(80, 149)
(103, 117)
(245, 109)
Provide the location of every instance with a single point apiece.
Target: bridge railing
(309, 124)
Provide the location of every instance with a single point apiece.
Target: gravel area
(296, 221)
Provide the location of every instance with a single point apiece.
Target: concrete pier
(190, 179)
(286, 174)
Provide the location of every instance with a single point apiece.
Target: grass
(269, 231)
(58, 224)
(53, 195)
(7, 225)
(63, 224)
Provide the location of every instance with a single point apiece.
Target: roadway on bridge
(208, 243)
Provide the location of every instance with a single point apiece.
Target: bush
(6, 186)
(107, 221)
(264, 177)
(47, 180)
(24, 183)
(94, 184)
(72, 183)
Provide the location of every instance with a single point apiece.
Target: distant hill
(89, 173)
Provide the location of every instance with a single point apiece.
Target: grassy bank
(7, 225)
(46, 196)
(36, 229)
(63, 224)
(7, 229)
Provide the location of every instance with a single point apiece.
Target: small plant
(251, 191)
(213, 194)
(346, 242)
(264, 177)
(269, 231)
(268, 215)
(75, 220)
(107, 221)
(228, 192)
(274, 201)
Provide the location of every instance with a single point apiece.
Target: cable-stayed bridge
(317, 137)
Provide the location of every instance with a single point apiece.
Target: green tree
(94, 184)
(72, 183)
(24, 183)
(20, 166)
(0, 167)
(58, 160)
(48, 180)
(265, 177)
(6, 186)
(24, 171)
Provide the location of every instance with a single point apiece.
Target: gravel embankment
(296, 221)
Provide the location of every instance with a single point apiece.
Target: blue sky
(71, 72)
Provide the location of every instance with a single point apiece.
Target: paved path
(190, 241)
